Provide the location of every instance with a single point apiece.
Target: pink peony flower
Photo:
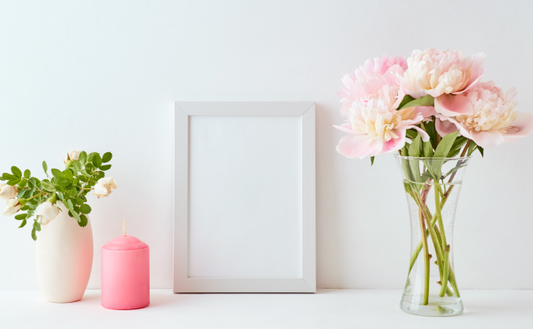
(435, 72)
(444, 75)
(494, 119)
(366, 81)
(375, 127)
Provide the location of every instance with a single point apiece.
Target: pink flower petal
(394, 144)
(360, 89)
(423, 134)
(520, 127)
(426, 111)
(452, 105)
(462, 130)
(345, 127)
(476, 70)
(487, 138)
(358, 147)
(445, 127)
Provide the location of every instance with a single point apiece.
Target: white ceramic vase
(64, 256)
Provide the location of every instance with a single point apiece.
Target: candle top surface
(125, 242)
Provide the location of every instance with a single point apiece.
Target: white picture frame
(244, 197)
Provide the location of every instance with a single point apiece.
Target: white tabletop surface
(331, 309)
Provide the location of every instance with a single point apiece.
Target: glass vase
(432, 187)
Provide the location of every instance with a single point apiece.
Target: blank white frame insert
(244, 203)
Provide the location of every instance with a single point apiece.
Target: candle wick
(124, 227)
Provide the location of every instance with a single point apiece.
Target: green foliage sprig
(70, 186)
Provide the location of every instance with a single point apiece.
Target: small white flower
(74, 155)
(47, 211)
(13, 206)
(104, 187)
(8, 191)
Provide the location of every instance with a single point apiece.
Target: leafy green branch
(83, 173)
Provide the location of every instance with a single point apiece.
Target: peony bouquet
(434, 110)
(28, 196)
(390, 101)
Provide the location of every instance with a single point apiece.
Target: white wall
(103, 76)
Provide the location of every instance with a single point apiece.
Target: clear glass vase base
(432, 309)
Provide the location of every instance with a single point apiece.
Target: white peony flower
(74, 155)
(47, 211)
(8, 191)
(104, 187)
(13, 206)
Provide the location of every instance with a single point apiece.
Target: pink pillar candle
(125, 274)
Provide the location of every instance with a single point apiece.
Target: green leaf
(33, 233)
(414, 151)
(68, 174)
(27, 173)
(20, 216)
(83, 157)
(406, 99)
(414, 148)
(107, 157)
(425, 176)
(422, 101)
(91, 156)
(107, 167)
(432, 132)
(75, 215)
(405, 150)
(57, 173)
(471, 148)
(21, 194)
(28, 194)
(70, 207)
(35, 181)
(83, 221)
(7, 176)
(48, 186)
(428, 149)
(97, 160)
(61, 182)
(16, 171)
(442, 151)
(14, 181)
(405, 163)
(445, 145)
(85, 209)
(454, 169)
(371, 161)
(23, 224)
(76, 165)
(411, 133)
(457, 145)
(69, 204)
(481, 150)
(45, 167)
